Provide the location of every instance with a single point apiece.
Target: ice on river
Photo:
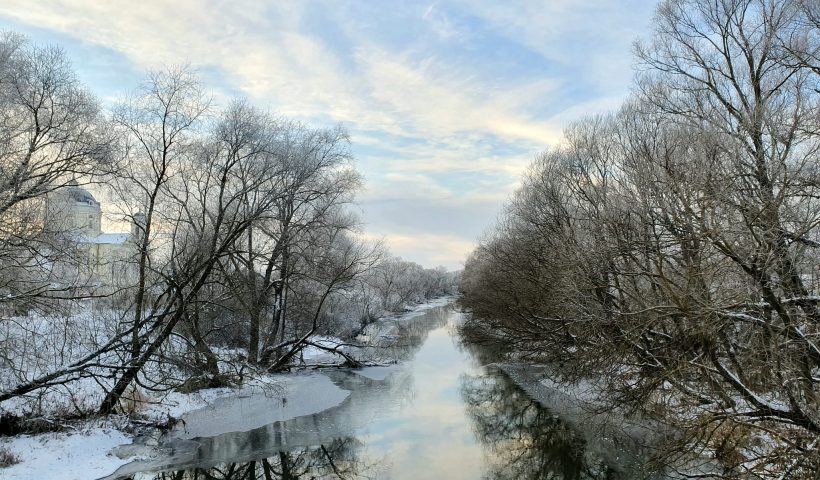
(253, 407)
(377, 373)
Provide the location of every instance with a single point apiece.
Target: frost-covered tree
(52, 133)
(671, 248)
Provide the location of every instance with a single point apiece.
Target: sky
(446, 102)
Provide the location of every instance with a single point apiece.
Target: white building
(74, 209)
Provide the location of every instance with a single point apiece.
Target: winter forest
(671, 248)
(243, 245)
(189, 289)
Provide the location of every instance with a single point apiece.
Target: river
(440, 414)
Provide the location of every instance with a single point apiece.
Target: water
(442, 415)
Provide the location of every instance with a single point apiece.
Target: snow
(65, 456)
(311, 354)
(176, 404)
(773, 405)
(105, 239)
(421, 308)
(110, 238)
(88, 453)
(743, 316)
(36, 345)
(806, 298)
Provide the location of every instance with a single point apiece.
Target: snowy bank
(580, 406)
(65, 456)
(95, 450)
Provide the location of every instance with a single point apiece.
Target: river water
(440, 414)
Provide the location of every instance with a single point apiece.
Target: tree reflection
(401, 339)
(526, 440)
(339, 459)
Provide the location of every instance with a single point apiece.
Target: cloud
(591, 35)
(265, 56)
(430, 229)
(442, 24)
(446, 102)
(432, 99)
(428, 249)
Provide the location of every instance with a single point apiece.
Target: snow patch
(176, 404)
(65, 456)
(311, 354)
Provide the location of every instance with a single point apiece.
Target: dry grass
(7, 458)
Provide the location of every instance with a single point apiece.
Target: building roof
(80, 195)
(106, 239)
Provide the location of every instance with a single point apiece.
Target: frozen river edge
(101, 446)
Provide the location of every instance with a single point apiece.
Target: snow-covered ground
(317, 356)
(87, 454)
(94, 450)
(416, 310)
(64, 456)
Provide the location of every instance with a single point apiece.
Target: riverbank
(581, 406)
(441, 413)
(96, 447)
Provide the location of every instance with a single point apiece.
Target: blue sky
(446, 102)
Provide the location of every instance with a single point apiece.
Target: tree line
(670, 248)
(241, 239)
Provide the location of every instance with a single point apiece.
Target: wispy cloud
(442, 24)
(446, 102)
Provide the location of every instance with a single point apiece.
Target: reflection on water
(439, 415)
(336, 460)
(526, 440)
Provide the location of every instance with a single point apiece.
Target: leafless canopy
(671, 248)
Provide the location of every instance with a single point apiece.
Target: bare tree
(335, 260)
(157, 124)
(207, 215)
(51, 134)
(314, 179)
(671, 249)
